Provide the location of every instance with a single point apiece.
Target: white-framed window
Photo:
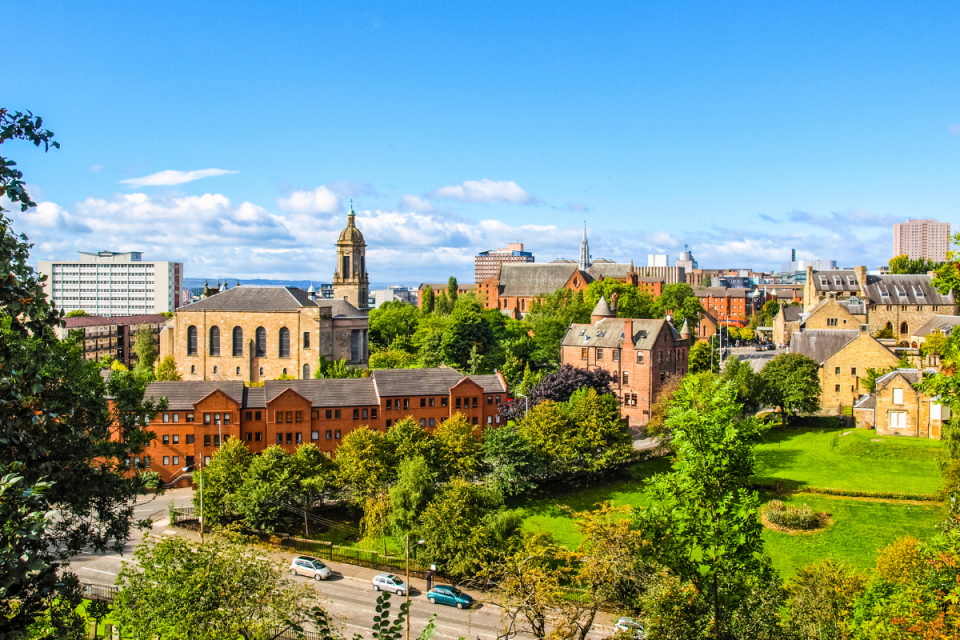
(898, 396)
(898, 419)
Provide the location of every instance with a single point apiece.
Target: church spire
(584, 249)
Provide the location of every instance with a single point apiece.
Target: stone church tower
(350, 280)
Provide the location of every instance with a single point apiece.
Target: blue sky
(232, 136)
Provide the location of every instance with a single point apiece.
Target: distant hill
(197, 283)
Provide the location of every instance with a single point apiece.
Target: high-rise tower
(350, 280)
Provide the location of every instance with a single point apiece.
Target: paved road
(757, 359)
(348, 595)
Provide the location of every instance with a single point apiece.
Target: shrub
(791, 517)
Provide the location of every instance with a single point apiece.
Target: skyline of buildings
(922, 239)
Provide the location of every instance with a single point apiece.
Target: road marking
(109, 573)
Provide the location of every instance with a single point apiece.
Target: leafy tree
(791, 383)
(600, 438)
(672, 297)
(59, 433)
(428, 339)
(365, 463)
(270, 484)
(748, 334)
(453, 290)
(549, 317)
(457, 450)
(392, 359)
(747, 382)
(214, 591)
(935, 343)
(703, 358)
(392, 320)
(77, 313)
(222, 479)
(706, 282)
(428, 300)
(463, 526)
(559, 387)
(656, 427)
(903, 264)
(771, 308)
(167, 370)
(883, 334)
(416, 485)
(467, 330)
(514, 464)
(703, 515)
(315, 473)
(632, 302)
(407, 439)
(338, 369)
(820, 600)
(442, 304)
(145, 349)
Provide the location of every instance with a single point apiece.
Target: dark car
(445, 594)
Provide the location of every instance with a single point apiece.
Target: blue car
(445, 594)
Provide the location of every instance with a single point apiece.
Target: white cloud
(320, 200)
(94, 168)
(486, 191)
(415, 203)
(171, 177)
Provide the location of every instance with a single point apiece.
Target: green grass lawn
(825, 458)
(859, 530)
(807, 456)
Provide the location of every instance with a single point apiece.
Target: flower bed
(791, 517)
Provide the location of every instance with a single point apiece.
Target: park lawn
(826, 458)
(860, 528)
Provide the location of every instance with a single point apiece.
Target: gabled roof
(609, 333)
(491, 383)
(412, 382)
(182, 395)
(270, 298)
(821, 344)
(721, 292)
(327, 392)
(883, 289)
(791, 313)
(912, 376)
(943, 324)
(600, 270)
(97, 321)
(531, 279)
(866, 402)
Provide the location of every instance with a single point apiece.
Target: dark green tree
(222, 479)
(631, 301)
(791, 383)
(453, 290)
(77, 313)
(392, 320)
(270, 485)
(748, 384)
(428, 300)
(146, 352)
(902, 264)
(704, 515)
(416, 484)
(58, 431)
(407, 439)
(703, 358)
(514, 465)
(467, 329)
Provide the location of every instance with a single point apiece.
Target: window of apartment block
(373, 413)
(853, 371)
(489, 399)
(166, 439)
(279, 438)
(298, 416)
(166, 461)
(431, 401)
(280, 417)
(315, 414)
(389, 422)
(206, 440)
(406, 404)
(257, 436)
(364, 412)
(423, 422)
(432, 422)
(389, 404)
(216, 439)
(249, 415)
(207, 418)
(837, 371)
(475, 402)
(329, 435)
(306, 339)
(476, 420)
(166, 417)
(226, 418)
(328, 414)
(299, 437)
(314, 435)
(290, 416)
(176, 417)
(176, 461)
(837, 388)
(176, 438)
(423, 402)
(599, 354)
(336, 414)
(639, 358)
(583, 353)
(249, 436)
(458, 403)
(489, 419)
(190, 439)
(289, 438)
(356, 414)
(898, 396)
(625, 378)
(443, 401)
(663, 376)
(336, 434)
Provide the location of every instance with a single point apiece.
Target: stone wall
(840, 374)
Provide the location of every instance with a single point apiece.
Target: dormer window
(852, 281)
(824, 282)
(837, 280)
(582, 331)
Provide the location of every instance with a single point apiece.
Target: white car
(389, 582)
(310, 567)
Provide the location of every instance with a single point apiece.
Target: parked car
(771, 347)
(310, 567)
(445, 594)
(389, 582)
(630, 626)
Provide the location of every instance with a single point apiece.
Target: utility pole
(201, 497)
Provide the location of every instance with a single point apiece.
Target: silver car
(389, 582)
(310, 567)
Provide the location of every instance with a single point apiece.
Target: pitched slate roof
(820, 344)
(943, 324)
(791, 314)
(866, 402)
(182, 395)
(912, 376)
(609, 333)
(532, 279)
(884, 289)
(412, 382)
(603, 309)
(254, 298)
(341, 308)
(327, 392)
(491, 383)
(721, 292)
(600, 270)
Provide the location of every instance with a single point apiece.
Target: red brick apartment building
(288, 413)
(639, 354)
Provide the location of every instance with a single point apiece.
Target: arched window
(284, 371)
(306, 372)
(890, 326)
(193, 368)
(261, 370)
(191, 340)
(284, 342)
(237, 341)
(214, 369)
(238, 370)
(261, 342)
(904, 328)
(214, 341)
(346, 267)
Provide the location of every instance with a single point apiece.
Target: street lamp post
(407, 590)
(527, 407)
